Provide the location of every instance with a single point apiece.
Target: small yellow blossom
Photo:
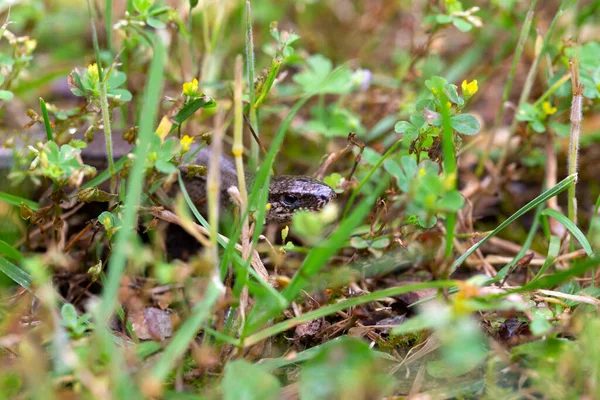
(107, 222)
(547, 108)
(469, 88)
(93, 73)
(30, 45)
(422, 172)
(449, 181)
(284, 233)
(186, 141)
(164, 128)
(190, 88)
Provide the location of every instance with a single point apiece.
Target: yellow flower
(93, 73)
(186, 142)
(164, 128)
(30, 45)
(107, 222)
(470, 88)
(190, 88)
(422, 172)
(547, 108)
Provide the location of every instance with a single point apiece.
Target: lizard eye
(290, 200)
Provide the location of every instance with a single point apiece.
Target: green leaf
(124, 94)
(142, 6)
(6, 95)
(5, 60)
(68, 313)
(403, 126)
(540, 324)
(319, 78)
(538, 126)
(443, 19)
(452, 92)
(165, 167)
(16, 201)
(553, 250)
(462, 25)
(15, 273)
(116, 79)
(246, 381)
(424, 103)
(571, 227)
(562, 130)
(465, 124)
(417, 120)
(404, 174)
(191, 107)
(451, 201)
(155, 23)
(359, 243)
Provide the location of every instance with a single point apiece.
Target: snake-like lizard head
(290, 193)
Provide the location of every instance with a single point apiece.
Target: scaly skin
(287, 193)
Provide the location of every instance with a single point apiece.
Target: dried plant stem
(576, 117)
(237, 150)
(213, 184)
(107, 133)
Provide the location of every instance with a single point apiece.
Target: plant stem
(107, 133)
(49, 134)
(576, 117)
(449, 164)
(253, 161)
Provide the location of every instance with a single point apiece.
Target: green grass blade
(105, 175)
(571, 227)
(550, 281)
(15, 273)
(16, 201)
(135, 180)
(548, 194)
(553, 250)
(47, 126)
(10, 252)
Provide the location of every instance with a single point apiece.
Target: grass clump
(453, 135)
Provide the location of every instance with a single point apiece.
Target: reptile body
(287, 193)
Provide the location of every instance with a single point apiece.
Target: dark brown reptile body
(287, 193)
